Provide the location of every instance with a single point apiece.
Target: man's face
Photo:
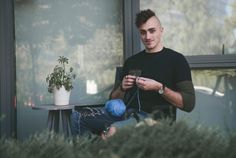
(151, 33)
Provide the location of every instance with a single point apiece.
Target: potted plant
(60, 82)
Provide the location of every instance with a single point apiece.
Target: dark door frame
(7, 70)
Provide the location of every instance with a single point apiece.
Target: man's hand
(148, 84)
(171, 96)
(128, 82)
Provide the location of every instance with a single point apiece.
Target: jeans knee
(74, 119)
(74, 116)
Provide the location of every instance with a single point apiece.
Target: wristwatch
(161, 90)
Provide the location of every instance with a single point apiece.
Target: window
(215, 98)
(89, 33)
(202, 27)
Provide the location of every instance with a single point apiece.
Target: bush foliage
(159, 141)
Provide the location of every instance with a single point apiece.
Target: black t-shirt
(167, 66)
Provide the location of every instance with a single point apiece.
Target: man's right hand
(128, 82)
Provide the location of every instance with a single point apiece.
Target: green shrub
(161, 140)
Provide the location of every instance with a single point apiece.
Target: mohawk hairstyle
(143, 16)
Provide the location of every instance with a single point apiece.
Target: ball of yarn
(116, 107)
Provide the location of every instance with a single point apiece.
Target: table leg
(65, 115)
(56, 120)
(53, 120)
(50, 120)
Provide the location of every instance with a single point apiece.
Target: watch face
(161, 91)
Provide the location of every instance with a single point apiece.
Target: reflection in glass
(197, 27)
(215, 98)
(91, 87)
(89, 33)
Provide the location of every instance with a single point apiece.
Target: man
(155, 81)
(165, 82)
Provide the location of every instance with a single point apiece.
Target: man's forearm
(117, 93)
(186, 89)
(173, 97)
(184, 99)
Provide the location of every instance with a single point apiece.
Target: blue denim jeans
(89, 121)
(132, 120)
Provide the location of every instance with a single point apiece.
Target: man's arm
(186, 89)
(173, 97)
(117, 92)
(121, 86)
(183, 98)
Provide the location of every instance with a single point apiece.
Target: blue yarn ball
(116, 107)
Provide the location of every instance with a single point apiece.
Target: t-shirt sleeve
(182, 70)
(184, 83)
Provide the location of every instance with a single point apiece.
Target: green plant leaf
(60, 77)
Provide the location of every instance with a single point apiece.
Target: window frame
(8, 125)
(130, 32)
(212, 61)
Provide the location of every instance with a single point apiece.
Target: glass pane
(89, 33)
(197, 27)
(215, 98)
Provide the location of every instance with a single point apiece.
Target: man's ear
(162, 29)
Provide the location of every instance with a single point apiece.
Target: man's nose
(148, 35)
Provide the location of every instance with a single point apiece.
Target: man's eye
(152, 31)
(143, 32)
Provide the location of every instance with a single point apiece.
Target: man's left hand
(147, 84)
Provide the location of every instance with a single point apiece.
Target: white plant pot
(61, 96)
